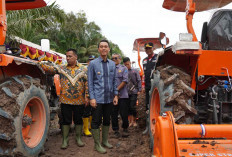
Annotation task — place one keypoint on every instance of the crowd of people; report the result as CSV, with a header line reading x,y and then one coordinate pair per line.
x,y
99,93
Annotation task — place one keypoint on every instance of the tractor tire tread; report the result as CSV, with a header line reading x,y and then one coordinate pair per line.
x,y
10,110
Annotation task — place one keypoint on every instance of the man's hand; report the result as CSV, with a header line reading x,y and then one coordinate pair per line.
x,y
93,103
86,101
115,101
138,93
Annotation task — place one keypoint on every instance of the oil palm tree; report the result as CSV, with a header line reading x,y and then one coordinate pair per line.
x,y
26,23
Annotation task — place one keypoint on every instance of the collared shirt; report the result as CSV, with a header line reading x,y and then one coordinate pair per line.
x,y
73,82
134,81
122,76
102,81
148,66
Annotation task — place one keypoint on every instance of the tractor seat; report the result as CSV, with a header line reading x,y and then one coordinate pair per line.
x,y
217,34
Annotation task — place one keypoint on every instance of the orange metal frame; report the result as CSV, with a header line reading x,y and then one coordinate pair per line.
x,y
2,22
13,66
8,67
173,140
208,62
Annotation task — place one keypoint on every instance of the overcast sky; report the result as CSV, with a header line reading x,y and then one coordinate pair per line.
x,y
122,21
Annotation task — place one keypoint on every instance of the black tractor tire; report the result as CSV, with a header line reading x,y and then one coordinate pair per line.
x,y
24,117
170,91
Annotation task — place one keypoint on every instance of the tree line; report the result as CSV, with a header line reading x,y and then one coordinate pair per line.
x,y
64,30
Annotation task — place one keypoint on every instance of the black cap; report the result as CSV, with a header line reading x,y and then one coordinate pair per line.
x,y
91,57
148,45
126,59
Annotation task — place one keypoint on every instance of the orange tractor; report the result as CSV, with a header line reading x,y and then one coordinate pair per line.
x,y
26,92
191,92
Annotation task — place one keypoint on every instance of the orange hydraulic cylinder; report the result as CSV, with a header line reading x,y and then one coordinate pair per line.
x,y
57,84
204,131
139,58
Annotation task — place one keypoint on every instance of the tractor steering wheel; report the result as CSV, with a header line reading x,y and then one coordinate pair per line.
x,y
15,51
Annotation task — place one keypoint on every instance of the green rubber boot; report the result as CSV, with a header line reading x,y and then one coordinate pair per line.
x,y
65,132
97,144
105,134
78,129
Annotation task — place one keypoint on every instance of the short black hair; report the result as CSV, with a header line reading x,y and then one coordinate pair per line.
x,y
103,40
117,54
73,50
126,59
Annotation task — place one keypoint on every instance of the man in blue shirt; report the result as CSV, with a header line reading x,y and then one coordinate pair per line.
x,y
103,94
122,107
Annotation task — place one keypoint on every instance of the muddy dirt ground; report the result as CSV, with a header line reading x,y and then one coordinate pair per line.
x,y
136,145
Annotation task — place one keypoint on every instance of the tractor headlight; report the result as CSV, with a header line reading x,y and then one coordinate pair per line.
x,y
185,37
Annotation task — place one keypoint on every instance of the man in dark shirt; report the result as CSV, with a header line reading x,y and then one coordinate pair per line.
x,y
134,89
103,94
148,65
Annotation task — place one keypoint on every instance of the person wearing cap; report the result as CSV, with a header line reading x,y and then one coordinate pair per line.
x,y
91,57
122,107
148,65
134,89
103,95
87,117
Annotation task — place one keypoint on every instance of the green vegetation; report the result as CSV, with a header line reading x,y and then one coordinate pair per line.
x,y
64,30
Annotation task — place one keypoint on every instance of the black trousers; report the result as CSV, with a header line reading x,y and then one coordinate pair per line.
x,y
132,104
87,111
122,108
102,110
147,98
72,113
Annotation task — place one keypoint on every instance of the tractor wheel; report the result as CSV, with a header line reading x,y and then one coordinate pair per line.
x,y
24,117
170,91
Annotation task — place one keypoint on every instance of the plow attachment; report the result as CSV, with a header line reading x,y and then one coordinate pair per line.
x,y
173,140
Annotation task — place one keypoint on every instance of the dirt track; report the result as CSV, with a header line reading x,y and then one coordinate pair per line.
x,y
136,145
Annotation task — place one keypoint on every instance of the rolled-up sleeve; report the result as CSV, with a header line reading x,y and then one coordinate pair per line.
x,y
90,80
125,75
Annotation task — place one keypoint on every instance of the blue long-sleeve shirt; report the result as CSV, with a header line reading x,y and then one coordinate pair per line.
x,y
102,80
134,81
122,76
